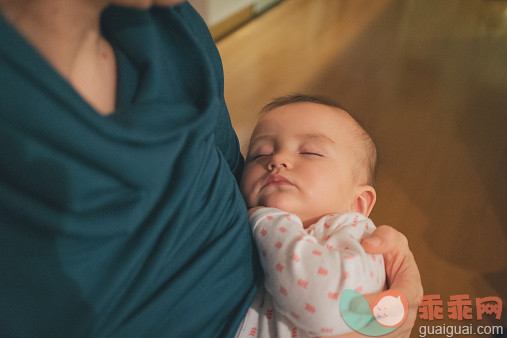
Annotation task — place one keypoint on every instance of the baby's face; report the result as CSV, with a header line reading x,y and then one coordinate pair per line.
x,y
300,160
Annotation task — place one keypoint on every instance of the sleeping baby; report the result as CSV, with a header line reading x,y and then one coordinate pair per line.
x,y
308,184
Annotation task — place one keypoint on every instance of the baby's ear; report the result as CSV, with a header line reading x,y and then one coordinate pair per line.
x,y
364,200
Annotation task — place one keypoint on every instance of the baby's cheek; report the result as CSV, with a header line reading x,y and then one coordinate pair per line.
x,y
245,183
247,188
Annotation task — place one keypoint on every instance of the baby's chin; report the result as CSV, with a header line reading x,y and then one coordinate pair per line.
x,y
307,214
285,203
280,201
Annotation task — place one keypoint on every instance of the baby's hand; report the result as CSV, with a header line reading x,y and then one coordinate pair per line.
x,y
254,209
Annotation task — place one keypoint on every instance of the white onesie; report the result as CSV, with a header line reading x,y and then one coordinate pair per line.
x,y
306,271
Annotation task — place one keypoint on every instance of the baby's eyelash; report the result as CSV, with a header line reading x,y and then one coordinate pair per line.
x,y
257,156
311,153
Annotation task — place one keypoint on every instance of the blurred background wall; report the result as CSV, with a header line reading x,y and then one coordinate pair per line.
x,y
428,79
224,16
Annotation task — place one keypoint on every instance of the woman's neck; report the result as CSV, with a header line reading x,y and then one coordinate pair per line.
x,y
67,33
60,30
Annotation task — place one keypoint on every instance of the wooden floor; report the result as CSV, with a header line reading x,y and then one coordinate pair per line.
x,y
428,78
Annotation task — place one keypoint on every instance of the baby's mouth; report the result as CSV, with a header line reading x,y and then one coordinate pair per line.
x,y
276,179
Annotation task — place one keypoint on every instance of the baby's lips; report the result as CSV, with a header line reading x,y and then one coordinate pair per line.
x,y
277,179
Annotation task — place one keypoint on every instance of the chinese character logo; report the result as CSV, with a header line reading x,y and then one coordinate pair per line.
x,y
459,307
385,315
483,306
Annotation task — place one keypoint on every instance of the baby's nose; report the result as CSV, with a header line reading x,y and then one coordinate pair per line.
x,y
279,161
272,166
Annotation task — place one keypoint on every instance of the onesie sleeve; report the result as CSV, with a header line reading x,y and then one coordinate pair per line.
x,y
307,269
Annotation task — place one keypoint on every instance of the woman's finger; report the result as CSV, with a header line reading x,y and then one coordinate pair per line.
x,y
385,240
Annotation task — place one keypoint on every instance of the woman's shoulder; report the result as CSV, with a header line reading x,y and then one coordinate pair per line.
x,y
196,25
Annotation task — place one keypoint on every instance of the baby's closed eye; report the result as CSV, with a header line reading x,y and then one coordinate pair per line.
x,y
254,157
315,151
310,153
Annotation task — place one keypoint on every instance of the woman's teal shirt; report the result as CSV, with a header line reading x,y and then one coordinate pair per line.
x,y
131,224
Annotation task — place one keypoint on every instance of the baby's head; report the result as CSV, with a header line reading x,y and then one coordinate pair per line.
x,y
309,157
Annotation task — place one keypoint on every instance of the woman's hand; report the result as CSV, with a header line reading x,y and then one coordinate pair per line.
x,y
401,269
402,274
